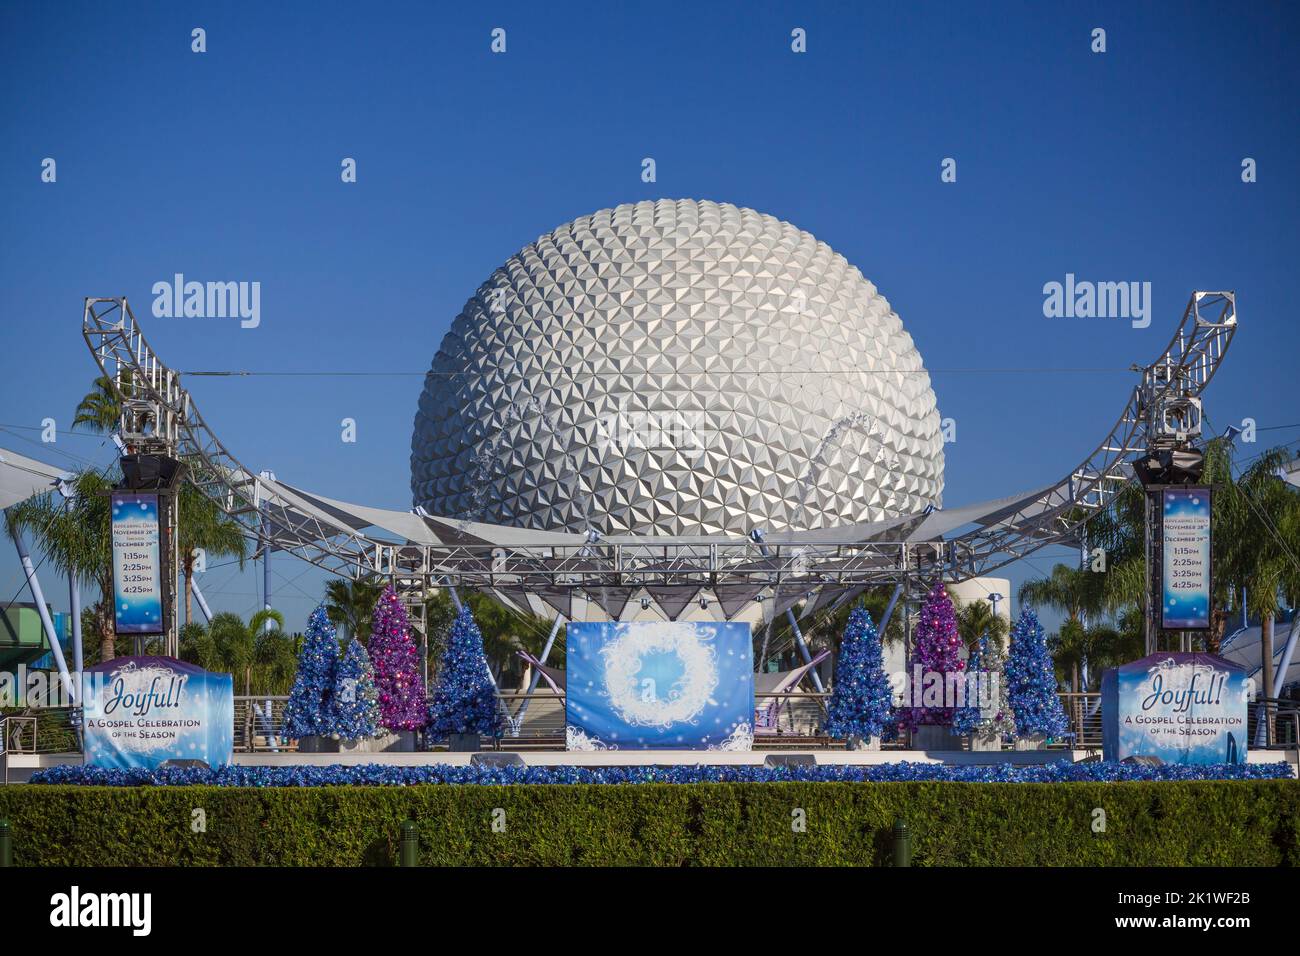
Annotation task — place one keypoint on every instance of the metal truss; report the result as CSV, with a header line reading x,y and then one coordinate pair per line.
x,y
159,415
1163,410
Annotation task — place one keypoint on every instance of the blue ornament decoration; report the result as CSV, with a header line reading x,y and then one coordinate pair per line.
x,y
861,703
464,697
356,698
392,775
1031,680
309,710
966,720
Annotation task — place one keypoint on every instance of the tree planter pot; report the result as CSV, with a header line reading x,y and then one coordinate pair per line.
x,y
464,743
318,745
401,742
985,742
1031,742
862,743
934,737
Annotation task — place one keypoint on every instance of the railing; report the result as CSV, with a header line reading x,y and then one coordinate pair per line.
x,y
17,735
48,730
1083,710
781,720
259,724
1281,724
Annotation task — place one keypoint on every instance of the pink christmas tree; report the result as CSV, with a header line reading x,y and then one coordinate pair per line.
x,y
935,656
397,665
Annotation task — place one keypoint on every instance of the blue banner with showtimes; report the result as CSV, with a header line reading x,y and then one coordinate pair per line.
x,y
137,591
1185,528
144,711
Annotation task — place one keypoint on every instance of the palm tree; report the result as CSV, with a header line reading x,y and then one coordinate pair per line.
x,y
203,526
349,605
264,658
1257,534
1079,594
101,409
76,540
976,620
1073,591
504,631
1098,646
1120,531
826,629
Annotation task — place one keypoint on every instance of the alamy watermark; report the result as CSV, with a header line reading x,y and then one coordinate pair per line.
x,y
678,431
208,300
1083,299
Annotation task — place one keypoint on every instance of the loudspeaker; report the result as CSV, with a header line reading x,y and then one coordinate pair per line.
x,y
1170,467
149,472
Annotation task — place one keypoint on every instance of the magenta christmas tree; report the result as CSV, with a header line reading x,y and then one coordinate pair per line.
x,y
935,655
397,665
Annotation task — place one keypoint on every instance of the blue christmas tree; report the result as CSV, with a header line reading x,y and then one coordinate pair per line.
x,y
464,698
356,698
993,719
861,703
309,710
966,720
1031,680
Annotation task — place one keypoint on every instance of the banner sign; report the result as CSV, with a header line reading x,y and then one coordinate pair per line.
x,y
137,582
1185,559
143,711
685,685
1182,708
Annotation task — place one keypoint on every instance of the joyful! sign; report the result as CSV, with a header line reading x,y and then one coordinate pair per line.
x,y
143,711
1182,708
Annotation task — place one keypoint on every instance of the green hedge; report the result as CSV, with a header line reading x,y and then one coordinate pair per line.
x,y
1210,823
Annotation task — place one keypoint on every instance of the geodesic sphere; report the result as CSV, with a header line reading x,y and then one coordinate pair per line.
x,y
676,367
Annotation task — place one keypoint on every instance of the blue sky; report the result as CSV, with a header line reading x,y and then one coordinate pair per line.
x,y
1121,166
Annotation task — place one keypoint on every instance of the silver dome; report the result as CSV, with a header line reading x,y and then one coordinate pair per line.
x,y
677,367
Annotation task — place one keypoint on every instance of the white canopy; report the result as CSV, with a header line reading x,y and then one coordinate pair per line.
x,y
22,477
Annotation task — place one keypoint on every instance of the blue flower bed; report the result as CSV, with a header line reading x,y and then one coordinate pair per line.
x,y
371,775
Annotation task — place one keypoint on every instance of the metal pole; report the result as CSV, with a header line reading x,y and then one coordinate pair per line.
x,y
1149,633
518,722
889,609
74,611
74,603
38,597
1288,652
1264,720
174,624
266,555
266,579
201,601
803,648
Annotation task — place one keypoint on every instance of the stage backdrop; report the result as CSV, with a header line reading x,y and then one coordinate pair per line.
x,y
1182,708
678,685
142,711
